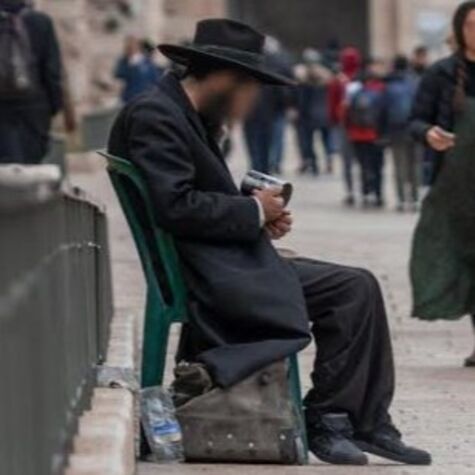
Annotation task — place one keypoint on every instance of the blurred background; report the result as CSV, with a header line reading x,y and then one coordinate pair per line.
x,y
92,31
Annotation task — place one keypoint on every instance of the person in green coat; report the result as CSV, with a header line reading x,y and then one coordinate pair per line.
x,y
443,254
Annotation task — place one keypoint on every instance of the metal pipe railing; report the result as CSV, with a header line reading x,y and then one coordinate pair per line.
x,y
55,309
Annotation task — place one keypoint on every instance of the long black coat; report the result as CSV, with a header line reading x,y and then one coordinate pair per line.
x,y
246,303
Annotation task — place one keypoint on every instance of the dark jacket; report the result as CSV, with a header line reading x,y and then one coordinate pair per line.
x,y
312,105
25,122
433,104
246,303
137,77
47,58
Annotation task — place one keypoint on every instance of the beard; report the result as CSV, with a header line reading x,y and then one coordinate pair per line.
x,y
215,113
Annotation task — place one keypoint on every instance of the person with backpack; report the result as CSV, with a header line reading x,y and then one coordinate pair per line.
x,y
407,154
340,89
366,124
31,85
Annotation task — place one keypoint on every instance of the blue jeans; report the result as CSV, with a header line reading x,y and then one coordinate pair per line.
x,y
306,141
265,142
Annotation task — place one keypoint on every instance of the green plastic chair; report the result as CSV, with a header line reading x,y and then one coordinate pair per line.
x,y
166,291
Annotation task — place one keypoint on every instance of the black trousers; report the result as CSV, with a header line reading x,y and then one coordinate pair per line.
x,y
353,370
370,157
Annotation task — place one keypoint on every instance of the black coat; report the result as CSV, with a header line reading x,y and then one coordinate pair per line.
x,y
246,303
434,102
25,123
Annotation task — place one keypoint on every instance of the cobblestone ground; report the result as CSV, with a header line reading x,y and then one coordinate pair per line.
x,y
435,400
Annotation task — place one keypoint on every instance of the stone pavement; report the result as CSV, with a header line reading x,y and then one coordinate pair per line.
x,y
435,399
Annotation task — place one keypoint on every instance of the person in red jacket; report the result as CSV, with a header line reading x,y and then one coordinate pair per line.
x,y
338,91
365,119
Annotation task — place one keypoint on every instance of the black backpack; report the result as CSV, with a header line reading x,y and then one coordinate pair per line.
x,y
364,110
18,77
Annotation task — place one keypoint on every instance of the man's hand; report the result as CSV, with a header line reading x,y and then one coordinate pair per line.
x,y
439,139
272,203
280,227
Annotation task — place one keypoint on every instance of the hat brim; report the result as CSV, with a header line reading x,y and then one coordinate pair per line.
x,y
186,55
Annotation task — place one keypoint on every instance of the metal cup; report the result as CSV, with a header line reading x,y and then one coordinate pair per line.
x,y
260,181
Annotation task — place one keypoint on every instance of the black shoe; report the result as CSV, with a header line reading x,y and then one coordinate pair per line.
x,y
470,361
330,440
349,201
386,442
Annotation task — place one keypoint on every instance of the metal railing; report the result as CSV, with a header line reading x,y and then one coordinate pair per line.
x,y
55,309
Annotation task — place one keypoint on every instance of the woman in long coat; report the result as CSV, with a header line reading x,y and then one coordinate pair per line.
x,y
443,257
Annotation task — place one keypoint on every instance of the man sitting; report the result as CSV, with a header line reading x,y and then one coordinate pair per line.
x,y
249,307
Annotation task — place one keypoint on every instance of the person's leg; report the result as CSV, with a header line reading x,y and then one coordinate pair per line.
x,y
354,371
277,147
377,166
251,138
328,147
264,146
361,154
398,157
306,134
348,155
353,375
470,361
413,164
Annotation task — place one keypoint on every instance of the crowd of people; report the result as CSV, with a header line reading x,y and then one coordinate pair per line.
x,y
358,108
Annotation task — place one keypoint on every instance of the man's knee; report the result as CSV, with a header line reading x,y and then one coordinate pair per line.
x,y
362,282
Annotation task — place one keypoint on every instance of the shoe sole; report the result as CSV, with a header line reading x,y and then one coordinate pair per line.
x,y
329,460
380,452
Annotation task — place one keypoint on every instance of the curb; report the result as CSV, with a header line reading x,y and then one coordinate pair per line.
x,y
105,443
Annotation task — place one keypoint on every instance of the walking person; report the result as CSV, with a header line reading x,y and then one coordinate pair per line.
x,y
136,69
31,85
366,125
264,129
240,320
313,112
340,90
443,253
407,153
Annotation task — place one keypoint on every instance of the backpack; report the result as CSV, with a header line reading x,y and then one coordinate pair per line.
x,y
17,71
400,96
364,109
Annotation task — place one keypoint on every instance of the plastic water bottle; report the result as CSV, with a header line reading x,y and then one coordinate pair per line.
x,y
160,425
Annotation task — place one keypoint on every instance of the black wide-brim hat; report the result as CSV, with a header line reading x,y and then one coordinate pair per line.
x,y
228,43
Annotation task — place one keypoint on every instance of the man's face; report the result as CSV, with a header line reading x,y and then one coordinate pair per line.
x,y
231,96
469,31
421,58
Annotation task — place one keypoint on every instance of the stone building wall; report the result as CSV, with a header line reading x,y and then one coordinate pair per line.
x,y
92,34
92,31
397,26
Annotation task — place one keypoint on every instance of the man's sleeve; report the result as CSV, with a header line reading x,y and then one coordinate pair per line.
x,y
161,150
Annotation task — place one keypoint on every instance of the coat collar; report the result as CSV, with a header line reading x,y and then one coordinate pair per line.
x,y
170,85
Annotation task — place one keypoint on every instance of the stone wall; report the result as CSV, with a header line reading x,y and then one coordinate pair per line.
x,y
303,23
397,26
92,31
